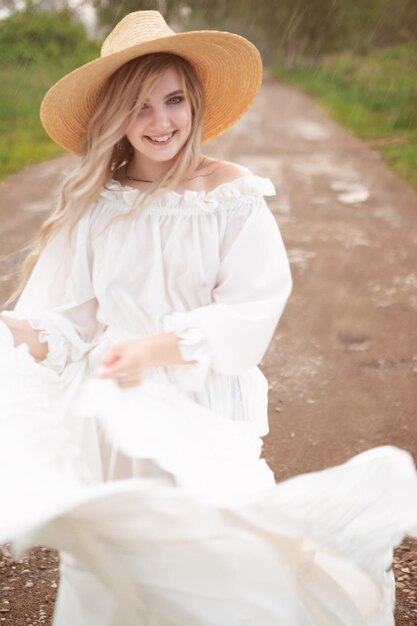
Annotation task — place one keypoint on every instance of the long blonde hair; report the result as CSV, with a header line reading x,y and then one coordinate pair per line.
x,y
107,148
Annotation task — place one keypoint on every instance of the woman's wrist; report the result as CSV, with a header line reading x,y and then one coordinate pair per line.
x,y
163,350
23,333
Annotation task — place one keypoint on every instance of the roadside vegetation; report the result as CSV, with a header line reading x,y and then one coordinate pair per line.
x,y
373,95
36,49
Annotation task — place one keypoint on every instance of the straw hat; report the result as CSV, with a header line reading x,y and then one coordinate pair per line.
x,y
228,65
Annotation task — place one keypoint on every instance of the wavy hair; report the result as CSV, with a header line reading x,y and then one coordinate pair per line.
x,y
107,148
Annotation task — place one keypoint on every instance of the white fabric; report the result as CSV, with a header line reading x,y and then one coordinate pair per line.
x,y
210,267
156,496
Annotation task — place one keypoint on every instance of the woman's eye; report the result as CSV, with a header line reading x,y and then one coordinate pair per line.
x,y
175,100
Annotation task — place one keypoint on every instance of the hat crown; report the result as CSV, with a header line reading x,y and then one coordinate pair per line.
x,y
135,28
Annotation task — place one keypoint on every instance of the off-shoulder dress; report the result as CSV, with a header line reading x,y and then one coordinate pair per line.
x,y
156,496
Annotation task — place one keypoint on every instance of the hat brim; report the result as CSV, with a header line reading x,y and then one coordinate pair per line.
x,y
229,66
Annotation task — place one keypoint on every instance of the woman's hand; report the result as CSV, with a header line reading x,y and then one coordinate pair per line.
x,y
126,362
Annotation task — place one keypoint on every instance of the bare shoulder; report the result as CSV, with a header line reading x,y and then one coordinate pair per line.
x,y
220,172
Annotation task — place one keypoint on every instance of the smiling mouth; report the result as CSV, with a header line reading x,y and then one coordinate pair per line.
x,y
163,140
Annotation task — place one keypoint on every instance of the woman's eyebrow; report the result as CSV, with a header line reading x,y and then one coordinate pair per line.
x,y
170,95
174,93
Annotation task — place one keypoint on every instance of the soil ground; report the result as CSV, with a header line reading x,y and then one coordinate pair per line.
x,y
342,365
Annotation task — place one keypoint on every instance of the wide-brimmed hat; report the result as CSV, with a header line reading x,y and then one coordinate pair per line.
x,y
228,65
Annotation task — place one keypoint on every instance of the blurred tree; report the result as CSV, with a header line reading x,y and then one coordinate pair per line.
x,y
109,12
309,28
37,35
398,22
46,5
9,5
292,28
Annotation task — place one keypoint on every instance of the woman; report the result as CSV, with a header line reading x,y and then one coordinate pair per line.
x,y
133,446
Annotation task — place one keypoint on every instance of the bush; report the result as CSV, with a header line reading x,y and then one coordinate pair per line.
x,y
33,35
36,49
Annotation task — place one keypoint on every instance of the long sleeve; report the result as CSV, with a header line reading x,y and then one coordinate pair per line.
x,y
253,284
59,299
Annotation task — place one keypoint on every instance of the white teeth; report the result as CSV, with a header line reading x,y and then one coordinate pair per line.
x,y
164,138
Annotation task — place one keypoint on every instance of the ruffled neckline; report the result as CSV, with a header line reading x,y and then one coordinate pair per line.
x,y
239,187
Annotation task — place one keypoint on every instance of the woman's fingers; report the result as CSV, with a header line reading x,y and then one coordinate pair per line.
x,y
123,379
114,364
123,364
111,357
108,372
122,373
131,382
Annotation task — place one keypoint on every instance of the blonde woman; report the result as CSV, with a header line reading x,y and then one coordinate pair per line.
x,y
132,405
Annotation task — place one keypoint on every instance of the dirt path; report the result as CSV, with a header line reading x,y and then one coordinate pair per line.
x,y
343,364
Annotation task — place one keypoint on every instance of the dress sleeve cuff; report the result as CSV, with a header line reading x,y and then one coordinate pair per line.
x,y
193,346
58,346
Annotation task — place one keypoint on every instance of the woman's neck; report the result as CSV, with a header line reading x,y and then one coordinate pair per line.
x,y
147,170
203,178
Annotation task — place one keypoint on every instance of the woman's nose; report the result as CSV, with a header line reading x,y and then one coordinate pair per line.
x,y
159,119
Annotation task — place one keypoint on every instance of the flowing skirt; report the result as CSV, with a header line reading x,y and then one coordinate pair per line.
x,y
165,515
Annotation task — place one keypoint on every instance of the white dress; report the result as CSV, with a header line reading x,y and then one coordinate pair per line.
x,y
156,496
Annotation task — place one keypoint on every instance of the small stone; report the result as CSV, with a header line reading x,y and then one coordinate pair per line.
x,y
54,585
29,584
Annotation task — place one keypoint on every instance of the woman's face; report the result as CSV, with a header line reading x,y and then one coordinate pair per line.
x,y
162,126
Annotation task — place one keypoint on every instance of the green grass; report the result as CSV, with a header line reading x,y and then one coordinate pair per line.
x,y
374,96
22,138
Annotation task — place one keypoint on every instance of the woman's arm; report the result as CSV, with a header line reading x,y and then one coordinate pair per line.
x,y
23,333
160,349
163,350
128,360
232,333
